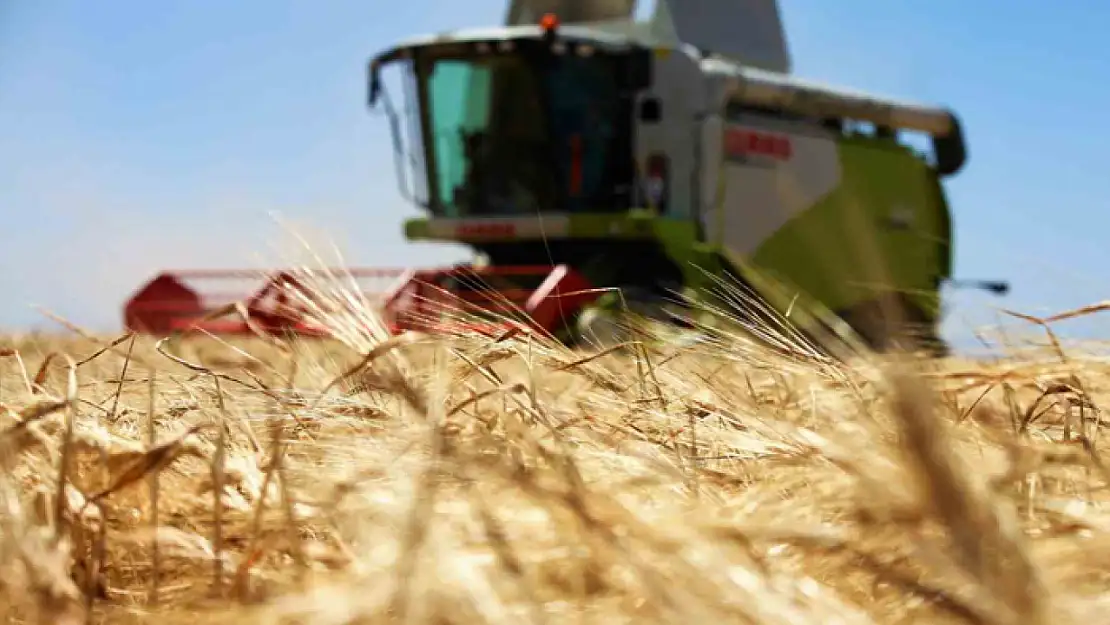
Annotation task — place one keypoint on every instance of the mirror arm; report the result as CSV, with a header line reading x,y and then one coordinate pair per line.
x,y
375,83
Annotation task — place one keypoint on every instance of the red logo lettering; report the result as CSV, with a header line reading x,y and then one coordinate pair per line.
x,y
485,230
743,142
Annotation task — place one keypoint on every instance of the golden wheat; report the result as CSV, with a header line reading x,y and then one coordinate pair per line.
x,y
477,480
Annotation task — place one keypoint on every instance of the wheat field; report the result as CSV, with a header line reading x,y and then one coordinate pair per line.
x,y
510,480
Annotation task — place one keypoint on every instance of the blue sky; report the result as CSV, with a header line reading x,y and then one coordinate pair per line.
x,y
141,135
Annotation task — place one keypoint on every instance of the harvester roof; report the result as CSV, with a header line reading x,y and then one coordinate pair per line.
x,y
598,37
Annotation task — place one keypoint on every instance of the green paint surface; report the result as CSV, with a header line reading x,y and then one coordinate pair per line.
x,y
844,250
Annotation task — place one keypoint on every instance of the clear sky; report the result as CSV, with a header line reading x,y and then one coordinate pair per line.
x,y
142,135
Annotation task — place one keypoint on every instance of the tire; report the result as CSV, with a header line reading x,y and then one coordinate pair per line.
x,y
892,323
607,326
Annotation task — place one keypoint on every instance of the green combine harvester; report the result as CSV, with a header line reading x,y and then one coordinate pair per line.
x,y
579,151
664,156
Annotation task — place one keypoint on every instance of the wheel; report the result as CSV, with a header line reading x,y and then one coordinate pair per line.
x,y
890,323
607,324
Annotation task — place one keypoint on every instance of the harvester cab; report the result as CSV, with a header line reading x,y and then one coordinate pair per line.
x,y
580,152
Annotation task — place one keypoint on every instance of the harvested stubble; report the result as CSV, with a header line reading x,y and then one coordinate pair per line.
x,y
472,481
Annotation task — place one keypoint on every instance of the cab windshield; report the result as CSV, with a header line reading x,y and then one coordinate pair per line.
x,y
523,132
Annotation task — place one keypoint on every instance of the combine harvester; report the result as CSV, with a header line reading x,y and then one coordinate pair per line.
x,y
578,151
